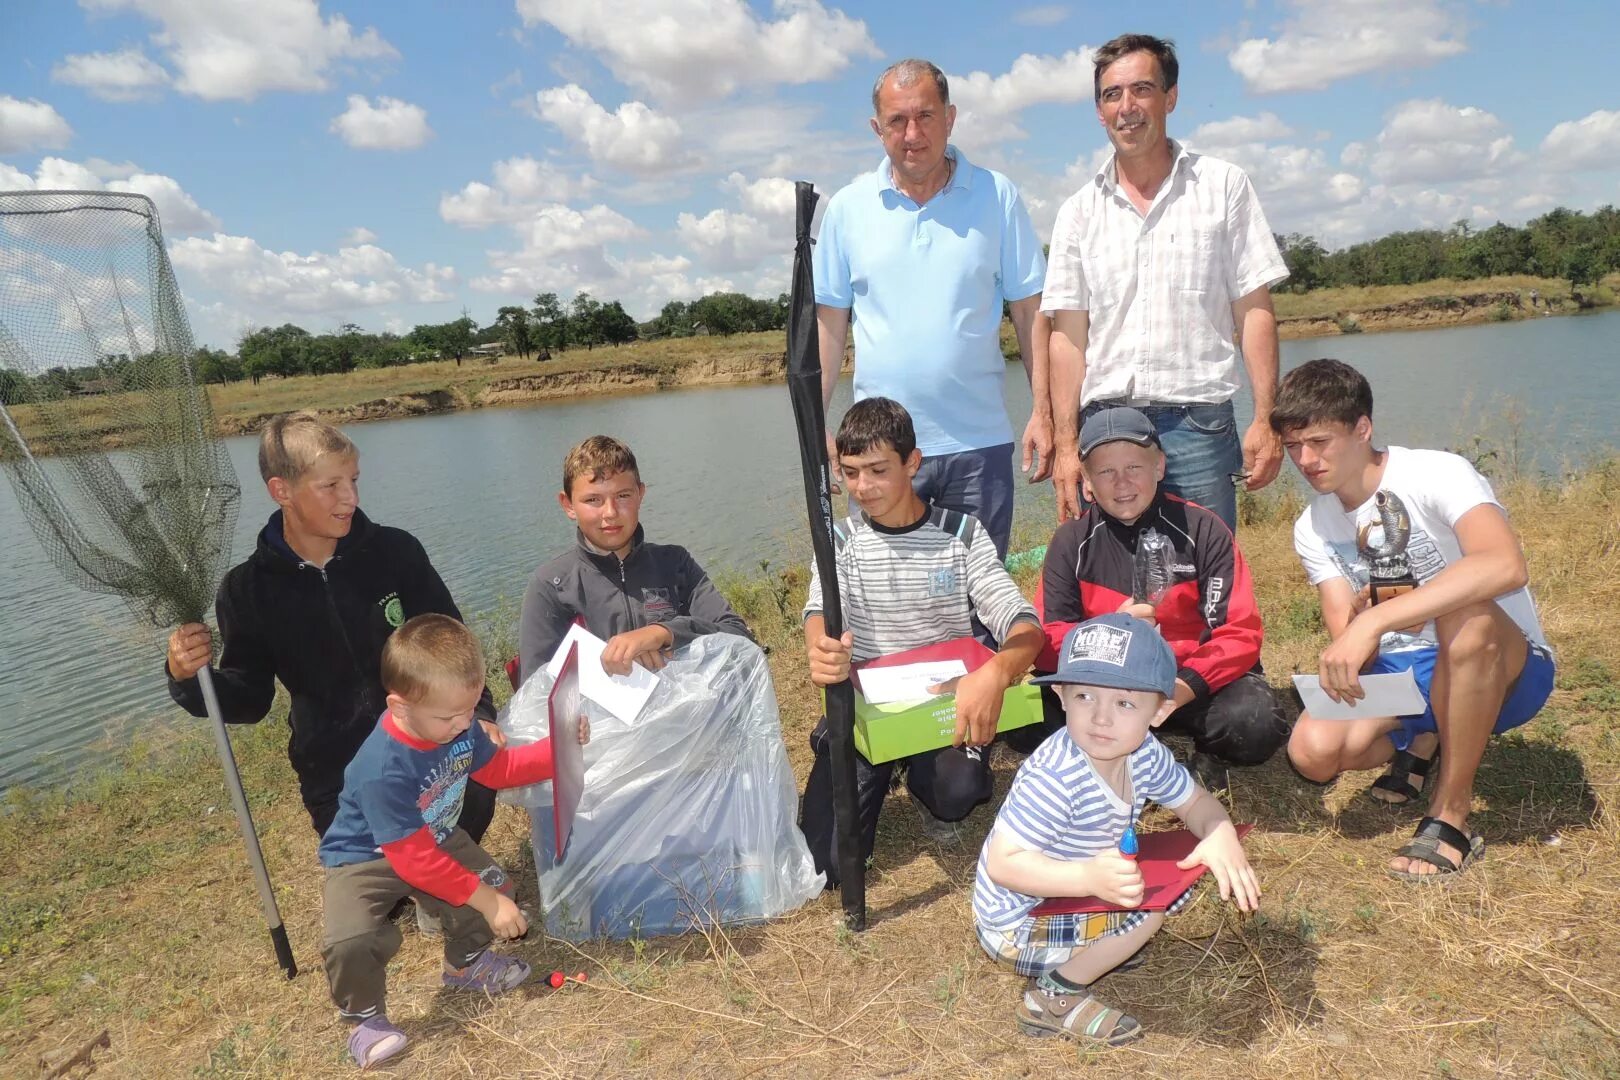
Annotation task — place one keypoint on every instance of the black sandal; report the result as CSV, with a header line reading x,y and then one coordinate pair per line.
x,y
1425,847
1397,779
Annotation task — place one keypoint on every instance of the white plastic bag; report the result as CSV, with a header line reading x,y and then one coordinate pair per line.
x,y
688,815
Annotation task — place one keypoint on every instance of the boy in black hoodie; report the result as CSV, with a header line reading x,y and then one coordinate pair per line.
x,y
312,606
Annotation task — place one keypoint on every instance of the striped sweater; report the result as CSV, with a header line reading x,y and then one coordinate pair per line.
x,y
920,584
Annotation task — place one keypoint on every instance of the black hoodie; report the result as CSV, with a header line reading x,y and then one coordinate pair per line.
x,y
320,630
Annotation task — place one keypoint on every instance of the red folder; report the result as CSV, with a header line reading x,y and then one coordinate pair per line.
x,y
564,706
1157,858
970,651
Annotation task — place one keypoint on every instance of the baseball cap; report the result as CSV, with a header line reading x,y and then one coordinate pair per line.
x,y
1115,650
1118,424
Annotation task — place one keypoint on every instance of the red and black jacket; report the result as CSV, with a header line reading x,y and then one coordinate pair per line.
x,y
1209,617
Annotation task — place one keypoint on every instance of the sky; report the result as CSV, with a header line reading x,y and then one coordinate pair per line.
x,y
324,162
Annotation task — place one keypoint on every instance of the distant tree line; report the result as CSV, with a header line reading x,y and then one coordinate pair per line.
x,y
1579,248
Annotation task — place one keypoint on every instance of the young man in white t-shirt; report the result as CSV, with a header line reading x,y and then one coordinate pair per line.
x,y
1418,569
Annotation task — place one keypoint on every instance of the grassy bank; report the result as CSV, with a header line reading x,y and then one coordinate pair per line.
x,y
444,386
128,906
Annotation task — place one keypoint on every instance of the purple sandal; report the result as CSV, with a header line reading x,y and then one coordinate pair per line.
x,y
374,1041
490,973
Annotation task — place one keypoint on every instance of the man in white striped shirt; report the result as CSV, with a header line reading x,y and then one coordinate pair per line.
x,y
1155,264
910,575
1059,832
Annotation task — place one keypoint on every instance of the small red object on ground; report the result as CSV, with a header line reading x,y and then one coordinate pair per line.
x,y
580,977
556,980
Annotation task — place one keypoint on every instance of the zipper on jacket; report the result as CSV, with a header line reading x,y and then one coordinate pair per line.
x,y
348,646
624,591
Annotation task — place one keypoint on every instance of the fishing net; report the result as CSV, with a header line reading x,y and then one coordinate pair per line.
x,y
107,431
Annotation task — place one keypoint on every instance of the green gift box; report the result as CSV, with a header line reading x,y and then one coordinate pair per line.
x,y
886,732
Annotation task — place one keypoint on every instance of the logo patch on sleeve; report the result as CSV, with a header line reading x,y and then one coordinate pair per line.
x,y
1100,644
658,604
393,610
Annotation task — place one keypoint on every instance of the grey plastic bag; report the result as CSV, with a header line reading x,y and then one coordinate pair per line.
x,y
688,815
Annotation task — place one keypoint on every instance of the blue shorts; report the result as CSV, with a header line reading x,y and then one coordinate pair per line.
x,y
1525,698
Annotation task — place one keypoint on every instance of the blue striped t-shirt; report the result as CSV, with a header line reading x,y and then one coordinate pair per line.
x,y
1059,806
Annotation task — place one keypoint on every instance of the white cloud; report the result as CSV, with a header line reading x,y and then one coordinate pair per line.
x,y
704,49
1045,15
1328,40
727,240
633,137
31,125
271,287
522,186
239,49
1430,141
359,235
769,196
177,210
1239,129
126,75
987,105
1592,142
391,124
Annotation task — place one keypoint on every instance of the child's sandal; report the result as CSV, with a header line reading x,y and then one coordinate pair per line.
x,y
374,1041
1078,1016
1397,779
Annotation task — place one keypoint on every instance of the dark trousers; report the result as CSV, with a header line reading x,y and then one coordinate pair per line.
x,y
477,811
1239,724
357,940
949,782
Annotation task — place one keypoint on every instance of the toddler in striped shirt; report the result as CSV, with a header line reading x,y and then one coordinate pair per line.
x,y
1058,833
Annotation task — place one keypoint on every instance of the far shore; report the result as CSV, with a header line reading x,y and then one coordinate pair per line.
x,y
242,408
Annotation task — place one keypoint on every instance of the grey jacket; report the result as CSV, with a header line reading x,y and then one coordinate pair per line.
x,y
656,583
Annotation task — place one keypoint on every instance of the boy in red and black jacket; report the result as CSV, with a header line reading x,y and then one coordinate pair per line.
x,y
1202,599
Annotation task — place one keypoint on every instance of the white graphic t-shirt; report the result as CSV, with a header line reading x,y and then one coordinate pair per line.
x,y
1438,489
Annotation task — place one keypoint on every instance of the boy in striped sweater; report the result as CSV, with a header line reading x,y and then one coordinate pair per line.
x,y
1058,833
910,575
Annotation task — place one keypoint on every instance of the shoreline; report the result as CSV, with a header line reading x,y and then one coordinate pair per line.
x,y
441,387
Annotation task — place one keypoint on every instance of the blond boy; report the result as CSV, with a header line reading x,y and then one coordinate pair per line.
x,y
395,833
313,606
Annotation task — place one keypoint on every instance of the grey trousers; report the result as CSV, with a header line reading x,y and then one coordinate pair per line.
x,y
357,940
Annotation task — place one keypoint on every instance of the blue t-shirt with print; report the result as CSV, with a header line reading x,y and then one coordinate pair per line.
x,y
392,788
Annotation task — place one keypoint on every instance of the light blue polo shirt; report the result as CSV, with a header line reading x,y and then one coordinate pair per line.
x,y
926,285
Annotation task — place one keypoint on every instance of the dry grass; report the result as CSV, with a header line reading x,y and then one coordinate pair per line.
x,y
1331,302
130,908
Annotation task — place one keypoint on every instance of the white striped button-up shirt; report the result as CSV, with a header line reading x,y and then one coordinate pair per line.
x,y
1159,287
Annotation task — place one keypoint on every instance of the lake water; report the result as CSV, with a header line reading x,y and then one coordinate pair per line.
x,y
722,476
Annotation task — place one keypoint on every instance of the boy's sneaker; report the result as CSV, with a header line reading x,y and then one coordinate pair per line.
x,y
1211,773
375,1040
937,830
491,973
1075,1016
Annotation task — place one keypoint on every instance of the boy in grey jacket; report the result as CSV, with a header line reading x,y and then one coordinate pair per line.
x,y
644,599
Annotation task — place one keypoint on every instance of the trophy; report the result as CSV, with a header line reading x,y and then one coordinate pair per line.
x,y
1388,571
1152,573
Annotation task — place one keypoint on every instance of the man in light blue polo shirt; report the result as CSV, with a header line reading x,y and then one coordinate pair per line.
x,y
923,251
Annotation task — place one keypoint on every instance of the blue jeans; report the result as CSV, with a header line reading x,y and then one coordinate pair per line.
x,y
977,482
1201,449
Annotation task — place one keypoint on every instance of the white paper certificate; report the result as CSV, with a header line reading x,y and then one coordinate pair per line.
x,y
907,682
1395,694
621,695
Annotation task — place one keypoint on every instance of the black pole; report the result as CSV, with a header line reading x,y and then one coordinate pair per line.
x,y
804,388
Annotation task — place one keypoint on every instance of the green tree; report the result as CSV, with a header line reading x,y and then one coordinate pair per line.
x,y
218,366
675,320
551,333
1306,262
615,324
518,329
584,319
456,336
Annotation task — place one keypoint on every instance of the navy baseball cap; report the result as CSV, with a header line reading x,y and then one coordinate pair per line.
x,y
1116,650
1118,424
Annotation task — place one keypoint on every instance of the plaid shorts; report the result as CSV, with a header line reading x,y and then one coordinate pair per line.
x,y
1043,942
